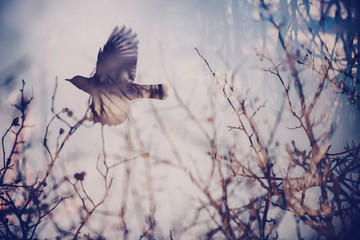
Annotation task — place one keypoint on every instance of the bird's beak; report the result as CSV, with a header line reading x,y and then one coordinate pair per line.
x,y
68,80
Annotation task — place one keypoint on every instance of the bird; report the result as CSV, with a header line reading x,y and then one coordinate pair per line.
x,y
112,85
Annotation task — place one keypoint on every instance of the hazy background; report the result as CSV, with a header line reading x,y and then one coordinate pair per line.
x,y
45,40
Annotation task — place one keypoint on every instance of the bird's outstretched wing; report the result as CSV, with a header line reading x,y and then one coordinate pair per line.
x,y
117,60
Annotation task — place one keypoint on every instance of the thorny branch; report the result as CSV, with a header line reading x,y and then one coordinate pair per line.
x,y
27,212
319,169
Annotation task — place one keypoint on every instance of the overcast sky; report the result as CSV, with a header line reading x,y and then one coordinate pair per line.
x,y
44,40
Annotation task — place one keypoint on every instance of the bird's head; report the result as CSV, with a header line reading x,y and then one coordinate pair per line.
x,y
80,82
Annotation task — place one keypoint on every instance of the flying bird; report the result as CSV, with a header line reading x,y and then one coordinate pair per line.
x,y
111,87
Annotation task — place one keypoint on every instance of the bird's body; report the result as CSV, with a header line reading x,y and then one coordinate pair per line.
x,y
112,87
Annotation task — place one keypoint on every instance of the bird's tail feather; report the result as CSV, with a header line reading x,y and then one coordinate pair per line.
x,y
154,91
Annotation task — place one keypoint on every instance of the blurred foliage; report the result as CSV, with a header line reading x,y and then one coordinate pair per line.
x,y
250,184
